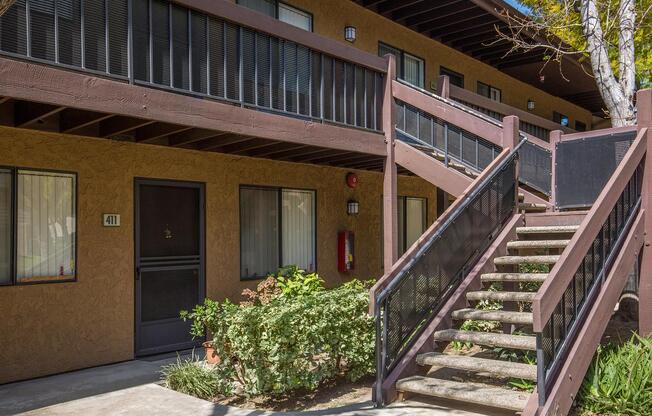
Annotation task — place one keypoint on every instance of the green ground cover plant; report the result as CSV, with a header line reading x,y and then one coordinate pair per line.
x,y
619,381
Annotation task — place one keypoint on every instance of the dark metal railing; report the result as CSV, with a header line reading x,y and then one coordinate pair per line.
x,y
593,159
454,143
561,329
421,129
161,44
420,289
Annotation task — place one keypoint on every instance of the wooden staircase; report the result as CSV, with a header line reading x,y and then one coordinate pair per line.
x,y
482,377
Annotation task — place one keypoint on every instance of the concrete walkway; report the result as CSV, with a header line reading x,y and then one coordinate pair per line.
x,y
132,388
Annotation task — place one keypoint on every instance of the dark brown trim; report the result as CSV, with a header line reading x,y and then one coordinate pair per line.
x,y
39,83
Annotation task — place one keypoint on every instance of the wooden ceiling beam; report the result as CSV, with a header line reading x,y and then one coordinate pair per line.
x,y
73,119
403,14
450,20
433,15
192,136
157,131
279,147
389,7
452,35
117,125
219,141
28,113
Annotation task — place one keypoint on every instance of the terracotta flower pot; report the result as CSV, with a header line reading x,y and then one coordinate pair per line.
x,y
211,355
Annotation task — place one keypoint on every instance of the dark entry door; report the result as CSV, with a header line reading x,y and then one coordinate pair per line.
x,y
169,262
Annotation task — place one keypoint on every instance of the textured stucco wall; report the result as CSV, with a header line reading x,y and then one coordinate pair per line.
x,y
50,328
331,16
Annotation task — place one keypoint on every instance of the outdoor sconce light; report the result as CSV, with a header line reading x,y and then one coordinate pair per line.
x,y
352,207
349,33
530,105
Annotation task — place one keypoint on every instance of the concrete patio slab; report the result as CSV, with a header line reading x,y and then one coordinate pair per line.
x,y
131,388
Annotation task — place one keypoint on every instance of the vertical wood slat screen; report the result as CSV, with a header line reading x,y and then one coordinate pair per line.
x,y
45,225
174,47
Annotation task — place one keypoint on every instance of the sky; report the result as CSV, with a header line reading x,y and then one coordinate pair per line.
x,y
518,6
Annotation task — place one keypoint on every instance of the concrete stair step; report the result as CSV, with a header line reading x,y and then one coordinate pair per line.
x,y
489,339
500,296
495,368
548,229
514,277
516,260
535,244
476,393
532,207
506,317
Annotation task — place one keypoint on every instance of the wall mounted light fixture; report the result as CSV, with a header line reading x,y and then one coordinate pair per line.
x,y
530,105
350,33
352,207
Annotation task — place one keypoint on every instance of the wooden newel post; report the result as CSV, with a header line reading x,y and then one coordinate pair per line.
x,y
644,120
511,139
555,138
390,186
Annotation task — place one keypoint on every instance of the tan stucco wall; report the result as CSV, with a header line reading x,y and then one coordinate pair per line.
x,y
50,328
331,16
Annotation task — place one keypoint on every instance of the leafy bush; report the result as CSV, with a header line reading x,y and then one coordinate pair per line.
x,y
288,335
619,381
295,282
194,377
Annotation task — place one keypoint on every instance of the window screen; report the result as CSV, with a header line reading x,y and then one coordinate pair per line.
x,y
295,17
46,219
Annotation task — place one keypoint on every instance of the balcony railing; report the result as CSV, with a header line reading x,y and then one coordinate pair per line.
x,y
162,44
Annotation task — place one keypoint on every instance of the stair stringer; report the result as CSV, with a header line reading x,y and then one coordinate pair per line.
x,y
425,343
438,174
568,381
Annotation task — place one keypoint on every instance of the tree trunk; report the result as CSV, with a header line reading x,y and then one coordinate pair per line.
x,y
617,96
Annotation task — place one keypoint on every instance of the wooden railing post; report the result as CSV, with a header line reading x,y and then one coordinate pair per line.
x,y
644,120
555,138
390,186
444,86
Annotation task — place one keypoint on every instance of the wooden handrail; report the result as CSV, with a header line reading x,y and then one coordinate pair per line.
x,y
425,237
241,15
550,293
504,109
597,133
447,112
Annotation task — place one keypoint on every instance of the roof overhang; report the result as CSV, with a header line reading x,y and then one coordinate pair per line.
x,y
470,26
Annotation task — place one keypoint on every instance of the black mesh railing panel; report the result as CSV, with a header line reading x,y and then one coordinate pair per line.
x,y
536,167
427,280
199,52
585,165
570,313
69,25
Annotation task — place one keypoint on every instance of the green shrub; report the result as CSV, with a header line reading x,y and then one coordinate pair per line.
x,y
194,377
619,381
295,338
295,282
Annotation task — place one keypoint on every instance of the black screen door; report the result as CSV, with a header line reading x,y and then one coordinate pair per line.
x,y
169,262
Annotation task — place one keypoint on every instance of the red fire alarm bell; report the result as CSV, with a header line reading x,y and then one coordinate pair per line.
x,y
351,180
345,251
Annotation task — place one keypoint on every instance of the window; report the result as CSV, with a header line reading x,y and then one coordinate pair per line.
x,y
579,126
408,67
38,224
490,92
281,11
560,118
277,228
455,77
412,223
